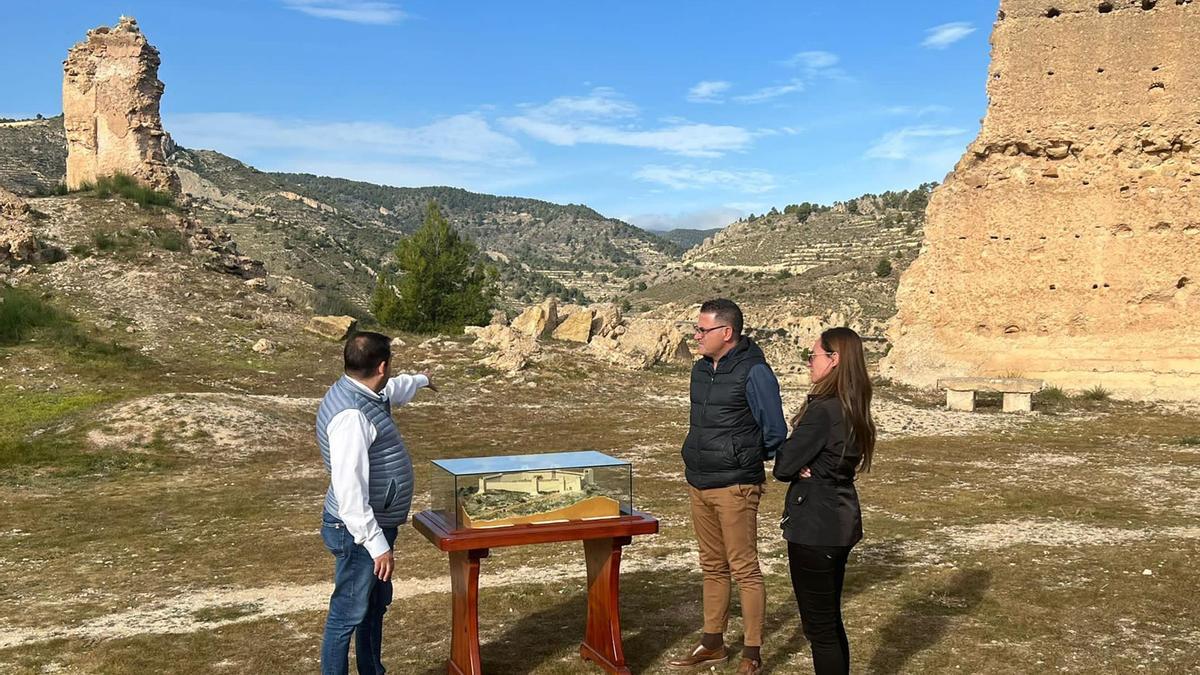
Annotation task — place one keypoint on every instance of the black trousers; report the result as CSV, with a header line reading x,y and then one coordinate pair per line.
x,y
818,573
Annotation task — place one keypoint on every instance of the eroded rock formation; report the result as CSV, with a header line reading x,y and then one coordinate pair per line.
x,y
1066,243
111,94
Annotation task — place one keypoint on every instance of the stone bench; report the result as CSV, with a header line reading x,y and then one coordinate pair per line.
x,y
1018,391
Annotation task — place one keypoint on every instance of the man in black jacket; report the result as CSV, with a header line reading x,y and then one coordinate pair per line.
x,y
736,424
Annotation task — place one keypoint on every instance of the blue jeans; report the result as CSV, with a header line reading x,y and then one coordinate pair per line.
x,y
357,605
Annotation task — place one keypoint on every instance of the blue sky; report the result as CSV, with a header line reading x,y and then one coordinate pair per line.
x,y
661,113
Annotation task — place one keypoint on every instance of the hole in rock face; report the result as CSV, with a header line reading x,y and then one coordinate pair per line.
x,y
1052,13
1012,329
1149,4
1050,72
1099,70
1095,286
1154,69
1161,228
1000,15
1106,286
1053,287
1183,281
1105,7
1157,85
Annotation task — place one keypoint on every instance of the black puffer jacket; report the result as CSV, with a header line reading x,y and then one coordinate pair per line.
x,y
724,445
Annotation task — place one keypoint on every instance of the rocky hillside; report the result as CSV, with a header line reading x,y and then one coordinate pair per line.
x,y
33,155
336,233
797,271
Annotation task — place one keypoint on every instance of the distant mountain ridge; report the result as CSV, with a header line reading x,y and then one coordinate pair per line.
x,y
329,228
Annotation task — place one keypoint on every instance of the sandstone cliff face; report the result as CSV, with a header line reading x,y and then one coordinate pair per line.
x,y
111,93
1066,243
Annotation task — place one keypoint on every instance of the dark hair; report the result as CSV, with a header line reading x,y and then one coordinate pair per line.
x,y
851,384
726,311
365,351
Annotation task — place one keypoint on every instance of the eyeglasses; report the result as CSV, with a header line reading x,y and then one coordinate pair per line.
x,y
813,355
705,331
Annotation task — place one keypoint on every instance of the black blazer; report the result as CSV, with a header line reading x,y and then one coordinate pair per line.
x,y
822,510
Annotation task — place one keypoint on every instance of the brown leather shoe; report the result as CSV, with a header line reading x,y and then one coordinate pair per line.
x,y
700,655
749,667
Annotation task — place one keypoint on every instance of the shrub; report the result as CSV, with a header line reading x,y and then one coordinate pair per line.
x,y
1096,393
170,239
1052,395
884,268
127,186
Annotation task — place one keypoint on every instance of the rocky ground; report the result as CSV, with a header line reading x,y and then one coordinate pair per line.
x,y
161,503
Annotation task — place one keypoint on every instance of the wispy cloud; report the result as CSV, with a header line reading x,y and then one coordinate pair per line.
x,y
812,65
701,219
940,37
603,118
917,142
916,111
354,11
812,61
466,138
693,178
770,93
708,91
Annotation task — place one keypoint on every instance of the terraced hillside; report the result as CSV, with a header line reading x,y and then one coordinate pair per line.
x,y
788,242
33,155
800,270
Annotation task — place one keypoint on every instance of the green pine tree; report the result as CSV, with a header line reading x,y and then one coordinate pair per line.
x,y
441,285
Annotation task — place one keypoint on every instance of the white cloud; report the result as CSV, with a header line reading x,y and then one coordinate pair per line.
x,y
917,111
569,121
812,61
769,93
702,219
812,65
602,103
693,178
940,37
917,143
708,91
466,138
354,11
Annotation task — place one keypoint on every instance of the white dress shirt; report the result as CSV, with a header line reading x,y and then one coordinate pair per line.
x,y
350,434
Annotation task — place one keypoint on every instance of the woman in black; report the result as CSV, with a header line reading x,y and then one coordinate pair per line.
x,y
832,439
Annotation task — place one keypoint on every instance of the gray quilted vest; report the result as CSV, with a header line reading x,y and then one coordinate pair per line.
x,y
390,478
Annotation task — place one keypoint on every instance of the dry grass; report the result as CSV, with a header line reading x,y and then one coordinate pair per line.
x,y
994,543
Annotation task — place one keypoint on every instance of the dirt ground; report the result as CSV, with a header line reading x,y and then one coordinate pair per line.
x,y
1066,540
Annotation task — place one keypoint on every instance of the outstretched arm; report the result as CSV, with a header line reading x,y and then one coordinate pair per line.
x,y
402,388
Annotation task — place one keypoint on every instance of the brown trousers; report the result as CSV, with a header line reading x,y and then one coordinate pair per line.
x,y
726,523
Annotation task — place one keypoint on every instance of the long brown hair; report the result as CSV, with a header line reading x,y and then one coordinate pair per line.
x,y
849,382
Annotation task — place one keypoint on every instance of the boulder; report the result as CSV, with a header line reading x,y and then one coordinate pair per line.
x,y
332,327
576,328
655,341
265,346
512,349
606,318
539,320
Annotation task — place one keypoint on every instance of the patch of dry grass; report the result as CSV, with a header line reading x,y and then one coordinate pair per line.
x,y
994,543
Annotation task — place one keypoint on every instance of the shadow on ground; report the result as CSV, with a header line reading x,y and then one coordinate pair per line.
x,y
925,618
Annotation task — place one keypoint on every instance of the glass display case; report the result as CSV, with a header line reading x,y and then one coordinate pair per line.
x,y
557,487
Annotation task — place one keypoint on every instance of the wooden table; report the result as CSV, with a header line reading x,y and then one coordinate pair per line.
x,y
602,543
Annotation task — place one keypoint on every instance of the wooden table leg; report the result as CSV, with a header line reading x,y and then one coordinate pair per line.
x,y
464,632
602,639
